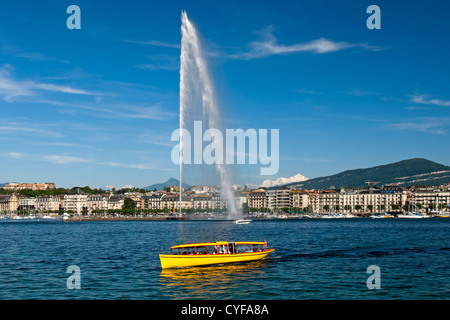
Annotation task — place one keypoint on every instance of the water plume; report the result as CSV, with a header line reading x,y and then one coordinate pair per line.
x,y
198,103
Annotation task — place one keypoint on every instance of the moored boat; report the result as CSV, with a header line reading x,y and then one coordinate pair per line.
x,y
209,253
242,221
412,216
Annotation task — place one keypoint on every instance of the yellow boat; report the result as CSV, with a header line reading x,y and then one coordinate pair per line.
x,y
207,253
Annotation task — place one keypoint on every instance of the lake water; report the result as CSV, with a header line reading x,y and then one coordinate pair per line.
x,y
314,259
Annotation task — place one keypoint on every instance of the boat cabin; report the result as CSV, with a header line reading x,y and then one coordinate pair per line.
x,y
222,247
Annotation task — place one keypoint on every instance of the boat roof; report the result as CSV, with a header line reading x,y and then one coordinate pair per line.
x,y
215,243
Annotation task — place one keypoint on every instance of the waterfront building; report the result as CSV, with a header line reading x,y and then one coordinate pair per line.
x,y
204,189
27,204
48,203
151,201
257,198
329,200
9,203
299,199
97,202
431,198
33,186
116,202
283,198
170,201
393,197
313,201
271,199
208,201
75,202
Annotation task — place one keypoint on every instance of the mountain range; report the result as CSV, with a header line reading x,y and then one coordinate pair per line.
x,y
405,173
170,182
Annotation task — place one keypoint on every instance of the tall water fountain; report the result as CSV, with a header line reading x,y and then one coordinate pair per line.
x,y
198,103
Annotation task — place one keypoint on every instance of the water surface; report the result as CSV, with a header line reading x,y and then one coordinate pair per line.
x,y
314,259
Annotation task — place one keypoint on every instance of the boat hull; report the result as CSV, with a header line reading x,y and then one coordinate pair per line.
x,y
242,221
411,216
182,261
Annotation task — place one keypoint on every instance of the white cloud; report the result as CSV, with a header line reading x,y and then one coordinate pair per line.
x,y
158,66
15,155
64,89
161,62
15,129
427,124
269,46
139,112
10,88
156,43
422,99
58,159
114,111
18,52
142,166
280,181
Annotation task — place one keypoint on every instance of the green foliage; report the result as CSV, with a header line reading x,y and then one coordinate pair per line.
x,y
129,204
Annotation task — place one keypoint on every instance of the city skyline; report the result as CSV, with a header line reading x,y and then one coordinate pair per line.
x,y
97,106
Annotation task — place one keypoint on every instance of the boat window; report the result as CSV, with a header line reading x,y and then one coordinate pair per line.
x,y
211,249
240,248
222,249
189,250
201,250
248,248
176,251
255,248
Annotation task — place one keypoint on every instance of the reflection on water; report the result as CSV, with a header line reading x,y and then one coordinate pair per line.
x,y
210,282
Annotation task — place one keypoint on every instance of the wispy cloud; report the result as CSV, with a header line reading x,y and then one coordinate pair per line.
x,y
15,155
422,99
156,43
432,125
18,52
154,112
161,62
63,89
10,87
309,91
117,111
269,45
158,66
142,166
60,159
67,159
18,128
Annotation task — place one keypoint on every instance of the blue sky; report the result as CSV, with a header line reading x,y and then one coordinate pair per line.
x,y
97,106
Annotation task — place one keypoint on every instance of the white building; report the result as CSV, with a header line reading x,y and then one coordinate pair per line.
x,y
48,203
97,202
437,198
75,202
28,204
116,202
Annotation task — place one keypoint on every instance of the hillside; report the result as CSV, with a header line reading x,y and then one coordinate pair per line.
x,y
404,173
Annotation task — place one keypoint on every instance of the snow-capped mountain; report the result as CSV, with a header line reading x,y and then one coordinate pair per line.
x,y
280,181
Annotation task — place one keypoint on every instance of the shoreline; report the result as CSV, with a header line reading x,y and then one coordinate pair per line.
x,y
174,218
